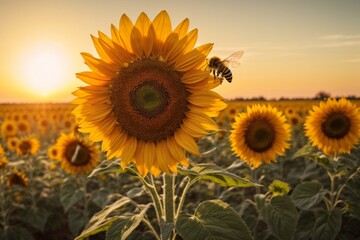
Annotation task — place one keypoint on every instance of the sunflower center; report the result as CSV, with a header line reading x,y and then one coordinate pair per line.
x,y
77,154
22,127
336,125
9,128
16,179
260,135
149,99
25,147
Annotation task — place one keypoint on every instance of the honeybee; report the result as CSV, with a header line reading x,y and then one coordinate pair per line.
x,y
221,68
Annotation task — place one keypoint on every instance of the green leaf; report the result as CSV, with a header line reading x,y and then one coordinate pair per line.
x,y
305,225
101,221
166,229
281,217
70,194
213,219
353,185
107,166
15,232
305,151
214,173
100,196
136,192
36,218
122,228
77,220
327,225
307,194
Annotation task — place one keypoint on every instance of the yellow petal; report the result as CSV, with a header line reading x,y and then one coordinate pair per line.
x,y
92,78
186,142
182,28
143,24
125,29
162,26
137,42
98,65
130,147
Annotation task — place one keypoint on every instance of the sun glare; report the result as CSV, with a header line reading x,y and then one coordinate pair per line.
x,y
44,70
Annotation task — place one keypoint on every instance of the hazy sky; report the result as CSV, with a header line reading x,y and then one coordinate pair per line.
x,y
292,48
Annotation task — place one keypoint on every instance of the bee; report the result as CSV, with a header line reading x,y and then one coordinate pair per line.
x,y
221,68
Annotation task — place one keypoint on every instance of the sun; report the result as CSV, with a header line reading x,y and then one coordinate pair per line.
x,y
44,69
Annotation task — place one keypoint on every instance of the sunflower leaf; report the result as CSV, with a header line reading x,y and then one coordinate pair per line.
x,y
123,227
304,228
101,221
110,167
307,195
213,219
327,224
305,151
214,173
70,194
281,217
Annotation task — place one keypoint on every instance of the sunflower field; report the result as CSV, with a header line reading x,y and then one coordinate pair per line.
x,y
148,150
55,182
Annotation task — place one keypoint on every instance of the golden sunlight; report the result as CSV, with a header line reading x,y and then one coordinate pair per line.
x,y
44,70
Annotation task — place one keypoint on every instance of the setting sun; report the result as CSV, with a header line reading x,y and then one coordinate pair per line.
x,y
43,70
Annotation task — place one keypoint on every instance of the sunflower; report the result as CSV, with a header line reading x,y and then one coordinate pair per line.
x,y
12,143
23,126
149,96
334,126
77,155
53,152
8,129
27,145
279,188
259,135
17,177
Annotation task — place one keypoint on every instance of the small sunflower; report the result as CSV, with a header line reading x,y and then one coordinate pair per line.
x,y
28,145
149,96
17,177
334,126
8,129
279,188
259,135
53,152
77,155
23,126
12,143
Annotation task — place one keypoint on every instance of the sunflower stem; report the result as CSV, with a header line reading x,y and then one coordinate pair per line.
x,y
182,199
154,196
169,200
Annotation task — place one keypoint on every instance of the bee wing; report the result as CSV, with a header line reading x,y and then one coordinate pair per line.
x,y
234,59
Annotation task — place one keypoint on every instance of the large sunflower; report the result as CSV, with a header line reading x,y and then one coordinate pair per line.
x,y
259,135
76,154
149,97
334,126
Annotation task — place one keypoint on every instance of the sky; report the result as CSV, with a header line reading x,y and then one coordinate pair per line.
x,y
291,48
